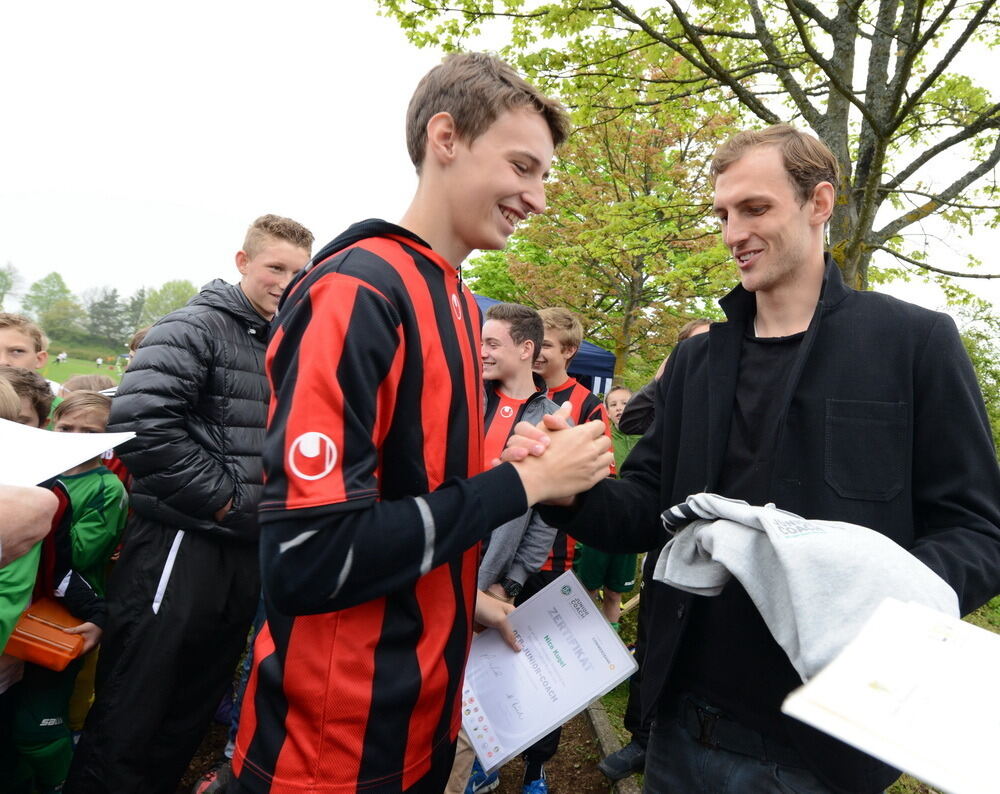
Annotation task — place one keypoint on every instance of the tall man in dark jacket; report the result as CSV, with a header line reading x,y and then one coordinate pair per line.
x,y
831,403
184,592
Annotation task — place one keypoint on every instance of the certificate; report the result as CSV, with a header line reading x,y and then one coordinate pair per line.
x,y
917,689
569,657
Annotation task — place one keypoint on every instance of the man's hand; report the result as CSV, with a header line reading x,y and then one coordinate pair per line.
x,y
91,634
574,460
492,614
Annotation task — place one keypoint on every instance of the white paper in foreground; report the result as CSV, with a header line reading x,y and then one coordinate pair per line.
x,y
31,456
917,689
569,657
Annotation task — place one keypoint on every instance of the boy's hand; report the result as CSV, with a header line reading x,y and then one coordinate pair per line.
x,y
575,460
91,634
492,613
221,512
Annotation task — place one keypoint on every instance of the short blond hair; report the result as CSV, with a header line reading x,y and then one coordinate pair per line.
x,y
27,327
568,328
87,383
474,88
278,228
10,403
807,160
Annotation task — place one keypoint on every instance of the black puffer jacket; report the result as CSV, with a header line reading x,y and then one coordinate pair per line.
x,y
196,397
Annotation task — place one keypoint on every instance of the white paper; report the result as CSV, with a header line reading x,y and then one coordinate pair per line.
x,y
917,689
31,456
569,656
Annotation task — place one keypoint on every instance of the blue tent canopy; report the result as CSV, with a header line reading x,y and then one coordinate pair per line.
x,y
593,366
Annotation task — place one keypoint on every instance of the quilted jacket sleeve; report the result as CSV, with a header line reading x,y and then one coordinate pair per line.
x,y
157,393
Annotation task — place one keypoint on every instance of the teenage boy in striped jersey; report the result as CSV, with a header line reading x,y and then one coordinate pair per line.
x,y
375,499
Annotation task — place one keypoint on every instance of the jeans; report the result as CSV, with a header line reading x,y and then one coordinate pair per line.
x,y
676,763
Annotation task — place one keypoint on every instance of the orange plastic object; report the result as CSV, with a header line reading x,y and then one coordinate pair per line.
x,y
39,638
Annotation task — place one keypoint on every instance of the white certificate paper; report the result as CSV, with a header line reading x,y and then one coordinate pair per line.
x,y
34,455
917,689
569,656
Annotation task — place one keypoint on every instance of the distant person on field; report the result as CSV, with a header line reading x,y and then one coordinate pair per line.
x,y
22,344
184,592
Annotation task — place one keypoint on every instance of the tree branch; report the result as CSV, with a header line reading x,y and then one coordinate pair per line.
x,y
708,64
989,119
925,266
935,202
943,64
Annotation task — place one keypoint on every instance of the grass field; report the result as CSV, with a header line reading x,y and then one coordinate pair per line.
x,y
75,366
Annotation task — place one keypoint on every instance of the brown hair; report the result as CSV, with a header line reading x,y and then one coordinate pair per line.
x,y
10,403
524,322
29,384
81,401
689,327
475,88
568,328
808,161
280,228
21,323
88,383
137,338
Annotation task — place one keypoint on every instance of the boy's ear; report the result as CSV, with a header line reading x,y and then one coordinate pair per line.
x,y
41,358
241,262
442,137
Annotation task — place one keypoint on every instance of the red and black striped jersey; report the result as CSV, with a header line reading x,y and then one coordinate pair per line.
x,y
370,520
587,407
502,413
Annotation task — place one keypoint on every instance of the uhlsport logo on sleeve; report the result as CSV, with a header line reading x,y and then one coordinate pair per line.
x,y
456,305
312,456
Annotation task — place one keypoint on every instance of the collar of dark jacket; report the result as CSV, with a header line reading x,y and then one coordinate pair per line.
x,y
740,305
229,298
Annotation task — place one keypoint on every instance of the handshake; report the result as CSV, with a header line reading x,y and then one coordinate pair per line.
x,y
555,461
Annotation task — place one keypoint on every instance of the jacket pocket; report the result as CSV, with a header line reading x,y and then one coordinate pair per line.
x,y
866,449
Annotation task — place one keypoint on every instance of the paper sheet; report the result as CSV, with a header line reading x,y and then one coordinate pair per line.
x,y
569,657
32,456
917,689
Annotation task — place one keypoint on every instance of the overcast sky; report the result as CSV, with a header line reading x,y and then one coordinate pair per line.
x,y
139,141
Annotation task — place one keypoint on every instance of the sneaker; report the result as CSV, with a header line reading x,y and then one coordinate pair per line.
x,y
480,782
216,780
622,763
536,786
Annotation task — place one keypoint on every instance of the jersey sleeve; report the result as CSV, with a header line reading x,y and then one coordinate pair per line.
x,y
334,365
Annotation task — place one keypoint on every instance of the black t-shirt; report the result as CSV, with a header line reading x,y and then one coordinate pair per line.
x,y
727,655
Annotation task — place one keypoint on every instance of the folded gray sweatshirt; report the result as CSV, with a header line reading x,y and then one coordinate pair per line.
x,y
815,583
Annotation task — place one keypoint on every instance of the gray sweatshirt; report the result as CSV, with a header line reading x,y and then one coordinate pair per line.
x,y
815,583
